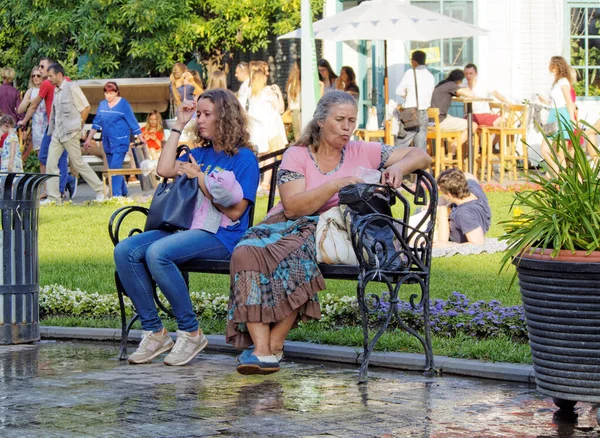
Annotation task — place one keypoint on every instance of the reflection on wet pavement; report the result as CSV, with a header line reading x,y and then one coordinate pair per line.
x,y
80,389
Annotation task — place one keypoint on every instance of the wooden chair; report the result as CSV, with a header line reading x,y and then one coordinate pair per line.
x,y
481,158
438,144
510,133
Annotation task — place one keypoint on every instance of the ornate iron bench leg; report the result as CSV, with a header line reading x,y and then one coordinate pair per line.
x,y
125,328
429,366
364,314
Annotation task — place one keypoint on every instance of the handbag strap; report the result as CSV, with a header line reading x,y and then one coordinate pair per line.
x,y
416,89
180,149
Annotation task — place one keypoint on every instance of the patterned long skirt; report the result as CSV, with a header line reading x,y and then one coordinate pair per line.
x,y
273,273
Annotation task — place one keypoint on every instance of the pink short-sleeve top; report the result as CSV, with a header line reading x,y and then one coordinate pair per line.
x,y
299,163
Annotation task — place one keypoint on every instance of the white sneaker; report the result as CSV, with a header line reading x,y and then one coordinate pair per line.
x,y
152,345
186,348
47,201
100,197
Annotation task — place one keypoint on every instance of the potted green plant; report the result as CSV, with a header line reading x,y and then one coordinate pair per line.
x,y
555,245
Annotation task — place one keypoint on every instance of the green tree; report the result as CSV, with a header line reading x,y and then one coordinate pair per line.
x,y
130,38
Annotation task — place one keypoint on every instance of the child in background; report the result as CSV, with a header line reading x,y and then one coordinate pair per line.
x,y
11,151
154,134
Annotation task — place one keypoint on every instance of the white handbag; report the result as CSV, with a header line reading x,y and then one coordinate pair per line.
x,y
332,240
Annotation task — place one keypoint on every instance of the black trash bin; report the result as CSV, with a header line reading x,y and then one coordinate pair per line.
x,y
19,281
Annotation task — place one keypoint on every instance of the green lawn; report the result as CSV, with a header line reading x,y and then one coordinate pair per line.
x,y
76,252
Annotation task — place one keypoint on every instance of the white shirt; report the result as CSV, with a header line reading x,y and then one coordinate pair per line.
x,y
244,92
556,93
425,83
481,90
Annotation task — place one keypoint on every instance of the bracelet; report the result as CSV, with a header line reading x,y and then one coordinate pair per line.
x,y
176,130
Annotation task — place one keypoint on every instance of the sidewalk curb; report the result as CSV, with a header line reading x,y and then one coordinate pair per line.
x,y
331,353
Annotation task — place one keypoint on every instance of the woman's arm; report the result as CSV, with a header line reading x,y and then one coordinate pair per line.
x,y
13,151
401,162
298,202
280,104
168,165
443,226
566,90
24,103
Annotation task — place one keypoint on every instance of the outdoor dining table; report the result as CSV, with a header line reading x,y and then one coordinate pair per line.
x,y
468,101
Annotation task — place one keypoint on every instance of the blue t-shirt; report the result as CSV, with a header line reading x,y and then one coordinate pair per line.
x,y
244,165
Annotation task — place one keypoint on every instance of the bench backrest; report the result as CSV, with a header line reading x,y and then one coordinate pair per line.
x,y
266,162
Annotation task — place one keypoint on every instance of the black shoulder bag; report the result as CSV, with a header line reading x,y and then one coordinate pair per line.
x,y
173,204
409,117
379,241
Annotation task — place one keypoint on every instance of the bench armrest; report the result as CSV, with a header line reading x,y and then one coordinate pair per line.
x,y
117,218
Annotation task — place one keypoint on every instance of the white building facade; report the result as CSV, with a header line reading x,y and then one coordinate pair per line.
x,y
513,58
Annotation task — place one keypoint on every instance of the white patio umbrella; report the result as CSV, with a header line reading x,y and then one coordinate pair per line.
x,y
389,20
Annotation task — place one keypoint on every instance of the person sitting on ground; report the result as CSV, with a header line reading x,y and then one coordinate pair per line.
x,y
442,99
155,255
154,134
274,272
470,215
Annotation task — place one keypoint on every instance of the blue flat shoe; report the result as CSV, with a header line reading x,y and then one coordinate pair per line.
x,y
250,350
250,364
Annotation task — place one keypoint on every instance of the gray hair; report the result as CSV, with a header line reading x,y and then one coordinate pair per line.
x,y
311,135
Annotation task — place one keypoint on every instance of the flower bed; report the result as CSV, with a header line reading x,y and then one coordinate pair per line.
x,y
450,317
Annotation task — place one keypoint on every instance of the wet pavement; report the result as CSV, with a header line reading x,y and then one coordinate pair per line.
x,y
59,389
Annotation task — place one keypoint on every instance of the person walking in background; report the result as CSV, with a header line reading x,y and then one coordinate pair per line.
x,y
327,75
417,82
441,98
156,254
39,120
348,81
46,96
217,79
482,114
562,106
154,134
242,74
11,151
293,88
10,98
70,109
117,122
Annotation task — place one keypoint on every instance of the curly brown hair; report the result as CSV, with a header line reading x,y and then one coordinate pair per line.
x,y
563,70
454,183
231,130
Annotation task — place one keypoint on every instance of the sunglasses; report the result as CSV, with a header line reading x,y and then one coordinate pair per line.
x,y
36,76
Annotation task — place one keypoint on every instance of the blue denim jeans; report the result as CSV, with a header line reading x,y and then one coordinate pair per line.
x,y
63,166
115,161
155,255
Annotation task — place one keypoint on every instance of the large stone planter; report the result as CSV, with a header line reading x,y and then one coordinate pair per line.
x,y
561,298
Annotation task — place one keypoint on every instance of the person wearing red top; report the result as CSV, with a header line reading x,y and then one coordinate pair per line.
x,y
154,134
66,181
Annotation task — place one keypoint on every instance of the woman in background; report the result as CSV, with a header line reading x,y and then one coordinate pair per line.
x,y
39,120
154,134
217,79
327,75
293,97
348,81
117,122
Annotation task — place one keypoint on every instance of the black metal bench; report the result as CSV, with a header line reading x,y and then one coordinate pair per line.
x,y
413,249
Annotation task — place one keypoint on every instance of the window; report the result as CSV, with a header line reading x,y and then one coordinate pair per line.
x,y
584,40
454,52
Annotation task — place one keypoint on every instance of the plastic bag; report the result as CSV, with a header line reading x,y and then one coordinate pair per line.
x,y
370,176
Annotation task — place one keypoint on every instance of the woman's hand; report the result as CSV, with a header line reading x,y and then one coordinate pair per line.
x,y
185,112
88,143
346,181
392,176
191,170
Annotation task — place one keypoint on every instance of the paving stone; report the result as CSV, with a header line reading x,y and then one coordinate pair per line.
x,y
77,389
